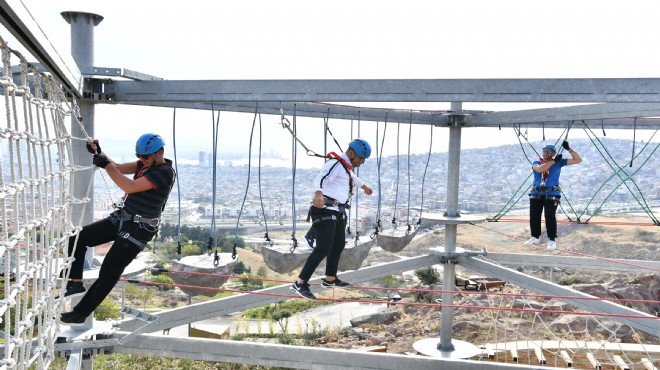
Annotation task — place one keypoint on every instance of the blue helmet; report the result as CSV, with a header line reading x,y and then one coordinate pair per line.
x,y
149,144
360,147
551,147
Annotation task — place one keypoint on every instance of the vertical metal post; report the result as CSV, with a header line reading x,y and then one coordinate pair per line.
x,y
82,51
449,269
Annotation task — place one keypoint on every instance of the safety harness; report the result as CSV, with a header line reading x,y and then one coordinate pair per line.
x,y
331,202
542,190
120,216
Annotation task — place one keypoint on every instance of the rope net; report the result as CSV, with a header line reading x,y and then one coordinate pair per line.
x,y
35,204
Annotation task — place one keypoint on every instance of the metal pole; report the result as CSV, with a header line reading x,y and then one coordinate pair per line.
x,y
449,269
82,51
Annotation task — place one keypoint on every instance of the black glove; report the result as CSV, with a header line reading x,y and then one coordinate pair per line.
x,y
557,158
98,148
100,160
565,145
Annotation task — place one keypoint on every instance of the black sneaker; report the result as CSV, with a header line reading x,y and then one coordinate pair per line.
x,y
74,288
310,241
302,290
334,283
72,318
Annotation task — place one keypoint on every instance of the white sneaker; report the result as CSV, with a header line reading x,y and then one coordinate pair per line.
x,y
532,240
552,245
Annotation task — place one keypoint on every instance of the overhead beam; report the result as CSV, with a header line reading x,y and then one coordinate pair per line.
x,y
603,90
649,324
16,18
611,117
614,115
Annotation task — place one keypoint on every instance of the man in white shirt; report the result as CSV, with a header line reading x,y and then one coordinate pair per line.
x,y
334,188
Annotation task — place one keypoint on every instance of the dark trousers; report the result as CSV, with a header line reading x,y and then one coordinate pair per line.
x,y
540,205
330,242
119,256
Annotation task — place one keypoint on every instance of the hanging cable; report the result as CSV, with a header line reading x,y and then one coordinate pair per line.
x,y
357,193
215,122
634,138
379,227
247,184
261,199
408,168
178,188
426,167
396,192
294,154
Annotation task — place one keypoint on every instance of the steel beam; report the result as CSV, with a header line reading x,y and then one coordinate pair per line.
x,y
296,357
598,90
571,262
613,114
223,306
650,324
19,22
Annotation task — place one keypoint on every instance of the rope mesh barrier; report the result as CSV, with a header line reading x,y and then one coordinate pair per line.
x,y
36,200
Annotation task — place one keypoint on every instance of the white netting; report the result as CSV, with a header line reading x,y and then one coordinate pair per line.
x,y
36,190
542,331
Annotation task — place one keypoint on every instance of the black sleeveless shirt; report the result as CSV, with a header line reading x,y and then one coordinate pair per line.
x,y
151,203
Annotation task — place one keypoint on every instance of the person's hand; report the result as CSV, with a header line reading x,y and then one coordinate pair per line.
x,y
100,160
93,147
557,158
317,200
367,190
565,145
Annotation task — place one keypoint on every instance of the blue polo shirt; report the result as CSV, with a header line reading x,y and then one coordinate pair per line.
x,y
550,181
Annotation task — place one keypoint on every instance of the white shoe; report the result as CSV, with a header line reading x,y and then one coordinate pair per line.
x,y
532,240
552,245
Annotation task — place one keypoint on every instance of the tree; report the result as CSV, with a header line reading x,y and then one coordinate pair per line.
x,y
428,275
282,318
108,309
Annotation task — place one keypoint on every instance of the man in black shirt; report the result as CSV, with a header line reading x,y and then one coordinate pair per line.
x,y
130,228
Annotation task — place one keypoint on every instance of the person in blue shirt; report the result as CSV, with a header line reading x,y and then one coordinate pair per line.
x,y
546,193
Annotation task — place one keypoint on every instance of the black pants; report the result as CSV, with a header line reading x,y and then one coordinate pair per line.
x,y
546,205
119,256
330,242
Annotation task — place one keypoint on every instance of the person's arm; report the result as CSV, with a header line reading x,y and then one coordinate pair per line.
x,y
126,184
575,158
543,167
127,168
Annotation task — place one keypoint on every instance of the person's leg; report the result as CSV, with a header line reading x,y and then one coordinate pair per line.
x,y
550,206
325,231
535,211
120,255
91,235
338,245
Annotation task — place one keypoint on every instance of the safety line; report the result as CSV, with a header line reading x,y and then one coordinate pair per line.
x,y
413,290
576,253
420,304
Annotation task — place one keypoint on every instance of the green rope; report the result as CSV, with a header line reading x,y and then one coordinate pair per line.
x,y
645,207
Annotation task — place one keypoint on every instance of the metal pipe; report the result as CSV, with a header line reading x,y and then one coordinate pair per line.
x,y
449,269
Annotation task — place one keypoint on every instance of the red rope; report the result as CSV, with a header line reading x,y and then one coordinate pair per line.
x,y
153,283
413,290
566,251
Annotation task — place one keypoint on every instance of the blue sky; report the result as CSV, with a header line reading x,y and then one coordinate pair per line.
x,y
200,39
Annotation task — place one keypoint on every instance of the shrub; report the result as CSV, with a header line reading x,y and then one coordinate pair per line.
x,y
428,275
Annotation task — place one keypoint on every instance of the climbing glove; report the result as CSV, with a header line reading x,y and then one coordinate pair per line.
x,y
557,158
565,145
98,148
100,160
